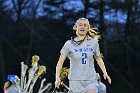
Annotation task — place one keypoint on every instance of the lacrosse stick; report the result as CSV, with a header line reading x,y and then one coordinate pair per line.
x,y
32,71
42,69
23,76
47,88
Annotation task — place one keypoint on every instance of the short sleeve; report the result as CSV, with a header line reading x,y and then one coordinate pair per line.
x,y
65,49
97,49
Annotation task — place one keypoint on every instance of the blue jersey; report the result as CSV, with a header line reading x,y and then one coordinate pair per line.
x,y
81,59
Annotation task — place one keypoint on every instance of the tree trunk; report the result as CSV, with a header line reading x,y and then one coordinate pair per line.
x,y
2,69
102,27
86,4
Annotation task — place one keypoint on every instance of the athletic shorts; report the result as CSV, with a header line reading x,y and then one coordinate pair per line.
x,y
81,86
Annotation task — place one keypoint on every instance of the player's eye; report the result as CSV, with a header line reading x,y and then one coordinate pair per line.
x,y
79,25
85,25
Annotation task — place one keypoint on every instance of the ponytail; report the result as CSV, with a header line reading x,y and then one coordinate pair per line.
x,y
93,33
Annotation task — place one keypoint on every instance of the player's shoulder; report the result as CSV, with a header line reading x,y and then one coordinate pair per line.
x,y
93,40
68,42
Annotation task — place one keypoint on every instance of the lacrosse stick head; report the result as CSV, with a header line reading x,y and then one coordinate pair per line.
x,y
23,66
42,69
35,60
64,73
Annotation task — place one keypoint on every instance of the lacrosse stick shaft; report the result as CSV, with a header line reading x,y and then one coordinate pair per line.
x,y
54,90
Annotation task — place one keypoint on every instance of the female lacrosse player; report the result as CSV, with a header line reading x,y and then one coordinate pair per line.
x,y
10,86
80,51
101,86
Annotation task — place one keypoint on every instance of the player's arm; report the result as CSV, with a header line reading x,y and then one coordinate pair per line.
x,y
100,62
60,64
102,66
58,69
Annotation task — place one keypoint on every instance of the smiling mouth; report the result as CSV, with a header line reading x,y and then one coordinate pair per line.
x,y
82,30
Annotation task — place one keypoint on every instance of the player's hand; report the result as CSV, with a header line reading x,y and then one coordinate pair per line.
x,y
106,76
57,82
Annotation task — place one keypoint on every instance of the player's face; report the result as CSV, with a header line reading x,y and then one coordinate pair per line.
x,y
82,27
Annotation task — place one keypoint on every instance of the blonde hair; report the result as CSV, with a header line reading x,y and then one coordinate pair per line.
x,y
91,32
6,85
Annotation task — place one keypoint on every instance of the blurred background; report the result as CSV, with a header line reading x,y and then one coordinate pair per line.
x,y
41,27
